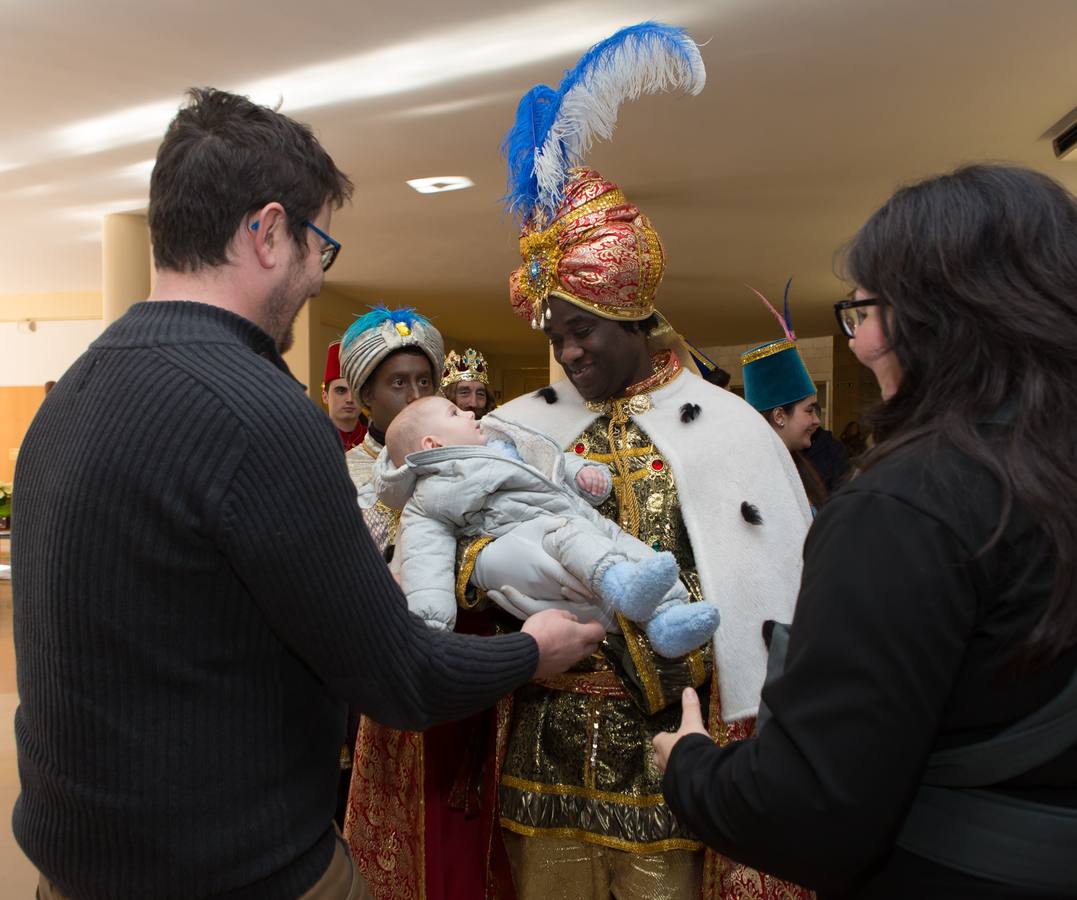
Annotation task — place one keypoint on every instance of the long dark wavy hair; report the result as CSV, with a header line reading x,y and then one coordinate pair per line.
x,y
979,268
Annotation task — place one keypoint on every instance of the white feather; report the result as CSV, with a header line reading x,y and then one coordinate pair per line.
x,y
589,109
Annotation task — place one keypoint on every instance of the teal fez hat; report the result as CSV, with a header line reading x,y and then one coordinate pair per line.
x,y
774,373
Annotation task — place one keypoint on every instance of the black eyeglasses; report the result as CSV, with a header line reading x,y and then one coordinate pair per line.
x,y
328,253
849,316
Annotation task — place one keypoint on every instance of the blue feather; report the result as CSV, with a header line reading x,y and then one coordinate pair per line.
x,y
788,316
534,116
557,134
378,315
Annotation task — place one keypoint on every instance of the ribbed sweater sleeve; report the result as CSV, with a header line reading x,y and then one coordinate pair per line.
x,y
292,530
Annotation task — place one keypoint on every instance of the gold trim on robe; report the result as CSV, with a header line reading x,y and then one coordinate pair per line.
x,y
580,765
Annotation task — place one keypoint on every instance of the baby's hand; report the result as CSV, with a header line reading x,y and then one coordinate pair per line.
x,y
594,480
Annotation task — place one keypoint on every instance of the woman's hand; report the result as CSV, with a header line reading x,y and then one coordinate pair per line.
x,y
691,723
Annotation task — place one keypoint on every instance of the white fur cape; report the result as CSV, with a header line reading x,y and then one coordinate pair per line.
x,y
724,457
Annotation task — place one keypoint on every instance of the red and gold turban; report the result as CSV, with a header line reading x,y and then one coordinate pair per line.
x,y
599,252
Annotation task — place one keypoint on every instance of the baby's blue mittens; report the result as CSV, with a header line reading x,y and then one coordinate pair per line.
x,y
637,588
679,629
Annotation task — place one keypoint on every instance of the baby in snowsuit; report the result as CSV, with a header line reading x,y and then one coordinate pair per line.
x,y
454,479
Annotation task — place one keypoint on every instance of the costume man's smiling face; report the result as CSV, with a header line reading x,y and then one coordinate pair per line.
x,y
600,357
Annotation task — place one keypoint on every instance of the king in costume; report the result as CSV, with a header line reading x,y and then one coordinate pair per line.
x,y
695,471
421,819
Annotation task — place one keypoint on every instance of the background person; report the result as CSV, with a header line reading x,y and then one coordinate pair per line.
x,y
465,380
777,384
422,813
829,458
938,609
389,358
340,402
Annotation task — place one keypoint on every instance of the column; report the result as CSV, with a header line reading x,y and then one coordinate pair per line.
x,y
125,263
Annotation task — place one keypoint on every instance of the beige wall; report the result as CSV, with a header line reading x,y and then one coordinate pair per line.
x,y
50,307
40,336
18,405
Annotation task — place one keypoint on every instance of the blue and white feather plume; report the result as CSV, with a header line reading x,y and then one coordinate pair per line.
x,y
555,129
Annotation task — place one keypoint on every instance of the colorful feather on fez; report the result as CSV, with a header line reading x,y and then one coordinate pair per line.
x,y
554,129
785,321
378,315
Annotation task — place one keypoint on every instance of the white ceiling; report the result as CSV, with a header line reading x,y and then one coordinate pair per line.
x,y
813,112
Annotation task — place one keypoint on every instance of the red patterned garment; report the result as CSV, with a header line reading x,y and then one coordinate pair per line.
x,y
422,815
724,879
354,437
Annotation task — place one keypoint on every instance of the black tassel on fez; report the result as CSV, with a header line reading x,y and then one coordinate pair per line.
x,y
751,513
690,412
547,393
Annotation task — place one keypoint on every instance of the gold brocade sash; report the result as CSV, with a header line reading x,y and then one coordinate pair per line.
x,y
595,684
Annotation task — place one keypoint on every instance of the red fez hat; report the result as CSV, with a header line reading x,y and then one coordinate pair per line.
x,y
332,365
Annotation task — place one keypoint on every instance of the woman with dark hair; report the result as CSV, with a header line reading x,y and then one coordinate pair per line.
x,y
795,423
922,739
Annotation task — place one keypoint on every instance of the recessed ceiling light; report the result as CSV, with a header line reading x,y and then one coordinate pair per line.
x,y
441,183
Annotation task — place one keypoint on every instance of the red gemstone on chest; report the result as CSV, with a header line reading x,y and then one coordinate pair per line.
x,y
579,448
658,465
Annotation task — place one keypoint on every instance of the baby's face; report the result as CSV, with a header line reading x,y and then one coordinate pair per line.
x,y
449,425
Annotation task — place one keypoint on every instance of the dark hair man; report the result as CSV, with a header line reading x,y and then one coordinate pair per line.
x,y
339,401
191,615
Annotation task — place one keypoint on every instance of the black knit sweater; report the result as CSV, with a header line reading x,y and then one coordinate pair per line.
x,y
195,598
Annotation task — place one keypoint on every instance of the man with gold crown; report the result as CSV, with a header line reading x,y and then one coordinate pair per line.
x,y
465,381
695,471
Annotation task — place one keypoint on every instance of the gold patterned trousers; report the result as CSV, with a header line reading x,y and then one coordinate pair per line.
x,y
564,869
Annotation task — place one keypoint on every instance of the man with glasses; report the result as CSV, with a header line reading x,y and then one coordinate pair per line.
x,y
191,614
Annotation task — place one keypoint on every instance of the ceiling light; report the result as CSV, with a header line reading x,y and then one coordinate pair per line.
x,y
440,184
